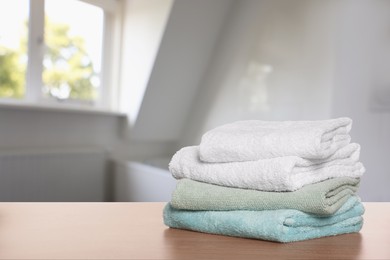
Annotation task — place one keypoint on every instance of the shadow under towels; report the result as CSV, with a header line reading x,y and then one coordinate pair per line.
x,y
284,225
287,173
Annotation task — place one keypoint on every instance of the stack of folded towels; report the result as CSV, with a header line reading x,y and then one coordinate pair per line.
x,y
280,181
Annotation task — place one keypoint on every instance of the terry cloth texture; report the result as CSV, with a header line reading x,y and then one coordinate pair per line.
x,y
323,198
278,174
284,225
253,140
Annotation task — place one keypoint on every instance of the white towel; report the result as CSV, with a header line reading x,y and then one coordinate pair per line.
x,y
278,174
253,140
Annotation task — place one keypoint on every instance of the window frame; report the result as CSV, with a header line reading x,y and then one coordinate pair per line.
x,y
111,46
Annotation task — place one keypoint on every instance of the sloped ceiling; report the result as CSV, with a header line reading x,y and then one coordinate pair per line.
x,y
186,47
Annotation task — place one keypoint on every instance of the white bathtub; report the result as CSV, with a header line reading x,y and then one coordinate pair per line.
x,y
142,181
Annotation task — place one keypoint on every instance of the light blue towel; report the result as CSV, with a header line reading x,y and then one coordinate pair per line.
x,y
284,225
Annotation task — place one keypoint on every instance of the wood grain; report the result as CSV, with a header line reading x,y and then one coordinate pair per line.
x,y
136,231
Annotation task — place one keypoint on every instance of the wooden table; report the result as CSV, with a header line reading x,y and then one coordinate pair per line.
x,y
136,231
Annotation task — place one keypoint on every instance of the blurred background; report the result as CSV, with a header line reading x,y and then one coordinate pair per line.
x,y
96,96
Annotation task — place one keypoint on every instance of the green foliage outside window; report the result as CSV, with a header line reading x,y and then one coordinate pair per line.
x,y
12,72
67,66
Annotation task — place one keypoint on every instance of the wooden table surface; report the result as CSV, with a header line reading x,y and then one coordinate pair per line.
x,y
136,231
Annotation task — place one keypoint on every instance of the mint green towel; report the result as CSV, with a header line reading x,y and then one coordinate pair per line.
x,y
283,225
323,198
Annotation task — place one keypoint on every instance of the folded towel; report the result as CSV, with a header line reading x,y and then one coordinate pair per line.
x,y
323,198
253,140
283,225
278,174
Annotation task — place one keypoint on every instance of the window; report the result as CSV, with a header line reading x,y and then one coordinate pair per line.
x,y
13,47
72,58
55,51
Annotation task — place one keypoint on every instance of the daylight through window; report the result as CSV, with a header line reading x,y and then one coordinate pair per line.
x,y
13,47
73,49
52,51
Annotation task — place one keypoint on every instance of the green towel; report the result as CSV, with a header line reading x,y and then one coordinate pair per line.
x,y
323,198
283,225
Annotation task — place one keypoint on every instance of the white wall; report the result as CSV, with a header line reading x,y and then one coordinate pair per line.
x,y
62,175
22,128
28,178
191,33
143,26
34,129
273,62
362,67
